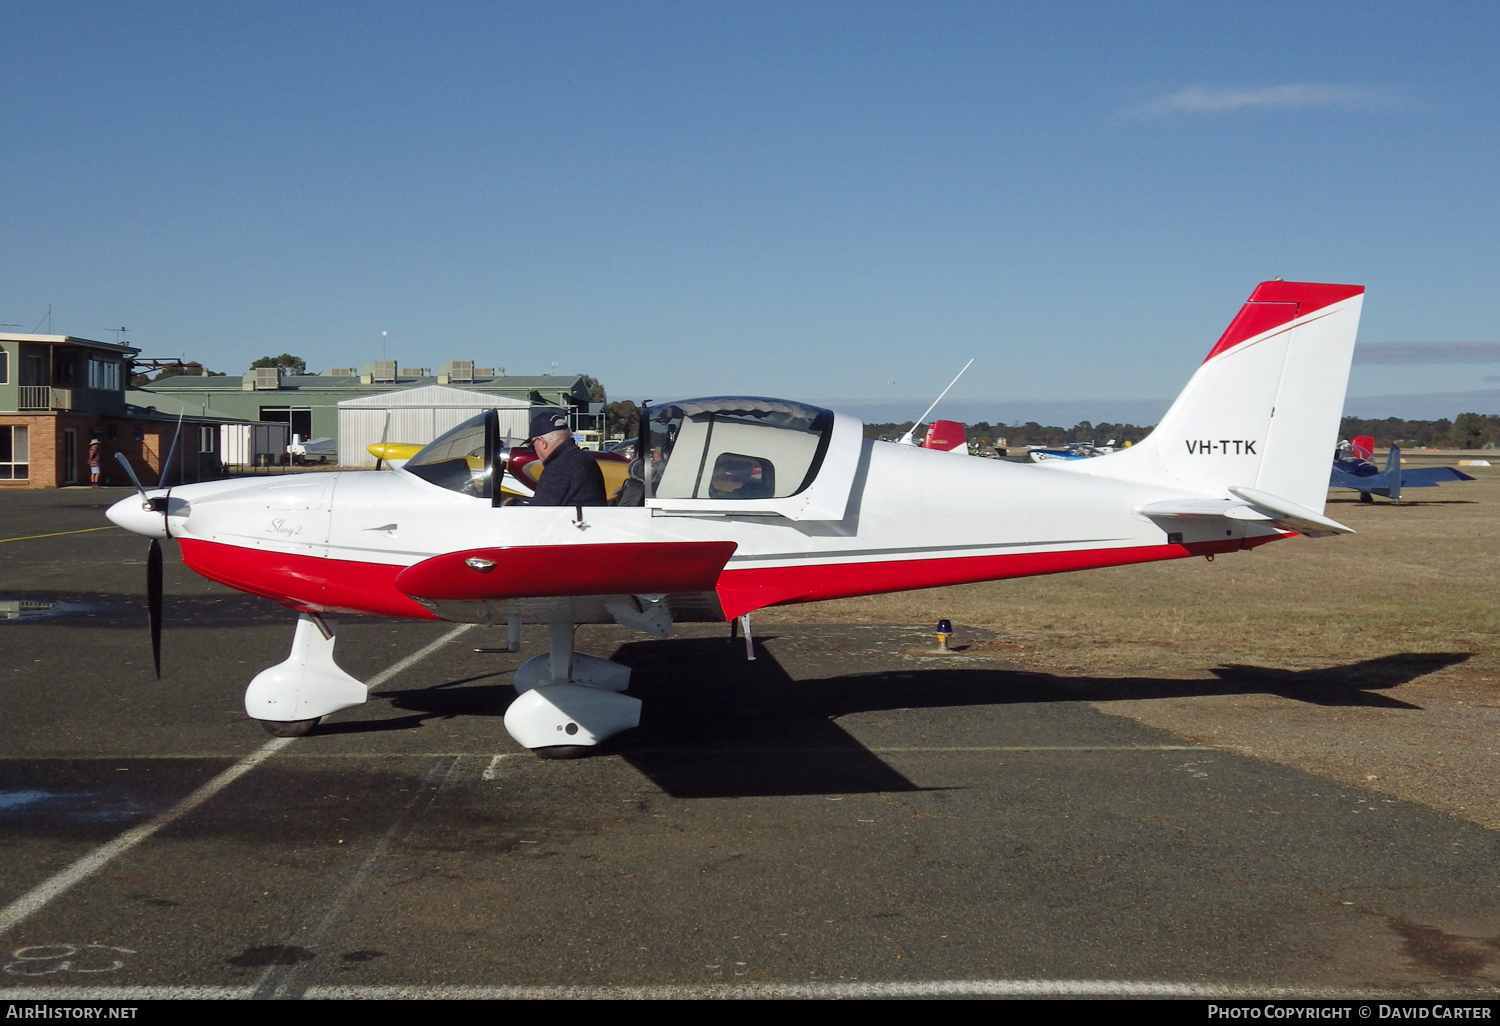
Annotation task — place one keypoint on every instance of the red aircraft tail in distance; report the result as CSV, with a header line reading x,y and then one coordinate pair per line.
x,y
946,435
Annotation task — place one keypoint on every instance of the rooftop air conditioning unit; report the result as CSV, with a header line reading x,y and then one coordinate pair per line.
x,y
482,373
462,370
413,372
340,372
267,378
385,370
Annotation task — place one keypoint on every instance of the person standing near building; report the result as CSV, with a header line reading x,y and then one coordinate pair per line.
x,y
96,452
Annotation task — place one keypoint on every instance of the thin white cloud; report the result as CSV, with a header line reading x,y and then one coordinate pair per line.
x,y
1396,354
1199,99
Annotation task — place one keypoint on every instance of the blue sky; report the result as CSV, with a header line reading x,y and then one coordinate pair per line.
x,y
827,201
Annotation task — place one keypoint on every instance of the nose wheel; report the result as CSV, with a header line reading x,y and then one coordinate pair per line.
x,y
290,728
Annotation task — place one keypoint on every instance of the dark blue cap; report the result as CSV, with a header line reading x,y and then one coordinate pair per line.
x,y
545,421
945,627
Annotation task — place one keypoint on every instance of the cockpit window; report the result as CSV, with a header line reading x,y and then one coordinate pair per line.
x,y
456,460
736,448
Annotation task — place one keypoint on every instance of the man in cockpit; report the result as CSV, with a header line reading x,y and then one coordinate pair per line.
x,y
572,478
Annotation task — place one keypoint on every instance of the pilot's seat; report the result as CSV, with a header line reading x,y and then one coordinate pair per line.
x,y
742,477
633,490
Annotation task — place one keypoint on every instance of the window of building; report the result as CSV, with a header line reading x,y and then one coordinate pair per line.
x,y
64,370
15,452
4,367
104,374
207,439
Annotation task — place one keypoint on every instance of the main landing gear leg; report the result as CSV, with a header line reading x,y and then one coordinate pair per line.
x,y
291,697
569,701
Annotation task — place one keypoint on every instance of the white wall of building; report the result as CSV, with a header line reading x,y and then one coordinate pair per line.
x,y
244,444
417,416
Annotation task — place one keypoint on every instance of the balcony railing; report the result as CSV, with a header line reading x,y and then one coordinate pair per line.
x,y
42,397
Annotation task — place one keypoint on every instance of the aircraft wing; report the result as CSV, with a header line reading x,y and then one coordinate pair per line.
x,y
1431,477
537,571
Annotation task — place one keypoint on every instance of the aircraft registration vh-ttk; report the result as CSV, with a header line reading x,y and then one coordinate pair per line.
x,y
747,502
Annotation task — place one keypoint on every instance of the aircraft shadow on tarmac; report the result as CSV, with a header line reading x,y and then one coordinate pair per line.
x,y
714,725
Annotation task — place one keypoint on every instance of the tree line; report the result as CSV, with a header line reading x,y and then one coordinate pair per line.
x,y
1466,431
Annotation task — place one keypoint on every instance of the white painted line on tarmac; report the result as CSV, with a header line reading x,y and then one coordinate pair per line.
x,y
416,657
857,990
1056,748
38,897
777,750
35,899
493,769
277,981
826,991
924,749
125,993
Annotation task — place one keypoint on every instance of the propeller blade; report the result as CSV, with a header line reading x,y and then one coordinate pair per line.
x,y
131,471
166,468
153,601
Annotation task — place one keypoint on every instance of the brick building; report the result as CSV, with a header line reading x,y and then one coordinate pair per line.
x,y
59,393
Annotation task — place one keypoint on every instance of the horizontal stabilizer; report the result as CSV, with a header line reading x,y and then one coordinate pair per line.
x,y
1234,509
1250,504
1289,516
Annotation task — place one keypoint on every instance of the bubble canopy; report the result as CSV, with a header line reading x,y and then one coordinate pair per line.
x,y
735,448
468,459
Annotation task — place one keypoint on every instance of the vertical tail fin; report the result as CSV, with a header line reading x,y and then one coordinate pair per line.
x,y
1263,410
1393,473
947,435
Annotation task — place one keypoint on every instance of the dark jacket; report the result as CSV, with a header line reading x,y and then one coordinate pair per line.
x,y
572,478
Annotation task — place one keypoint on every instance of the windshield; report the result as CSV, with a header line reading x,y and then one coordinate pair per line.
x,y
457,460
736,448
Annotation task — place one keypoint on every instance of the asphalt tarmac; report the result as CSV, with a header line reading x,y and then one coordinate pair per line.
x,y
844,816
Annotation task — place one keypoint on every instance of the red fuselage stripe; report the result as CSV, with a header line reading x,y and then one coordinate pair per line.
x,y
319,584
311,583
744,591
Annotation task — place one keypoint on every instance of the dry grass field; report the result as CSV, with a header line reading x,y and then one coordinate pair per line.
x,y
1371,659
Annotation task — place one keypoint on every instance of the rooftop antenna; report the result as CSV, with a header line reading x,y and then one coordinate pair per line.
x,y
906,439
119,334
48,319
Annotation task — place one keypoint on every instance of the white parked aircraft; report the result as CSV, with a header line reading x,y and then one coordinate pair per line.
x,y
750,502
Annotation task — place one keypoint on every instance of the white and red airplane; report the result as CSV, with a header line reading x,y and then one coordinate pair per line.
x,y
752,502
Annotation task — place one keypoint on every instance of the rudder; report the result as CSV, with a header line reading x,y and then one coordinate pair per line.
x,y
1263,410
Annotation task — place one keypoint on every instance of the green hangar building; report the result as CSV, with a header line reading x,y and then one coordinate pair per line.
x,y
308,403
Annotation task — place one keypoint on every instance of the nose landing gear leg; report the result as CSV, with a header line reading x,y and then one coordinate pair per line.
x,y
291,697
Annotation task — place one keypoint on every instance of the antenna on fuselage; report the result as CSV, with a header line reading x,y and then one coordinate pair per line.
x,y
906,439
